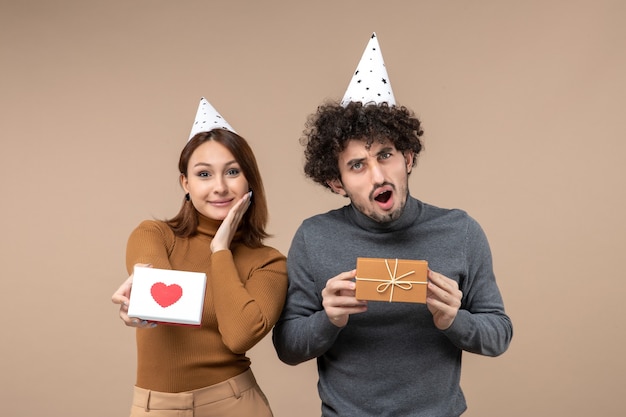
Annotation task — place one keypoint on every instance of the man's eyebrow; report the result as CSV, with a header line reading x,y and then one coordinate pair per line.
x,y
387,149
354,161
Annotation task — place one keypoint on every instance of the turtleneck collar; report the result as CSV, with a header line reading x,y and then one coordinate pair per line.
x,y
208,227
408,217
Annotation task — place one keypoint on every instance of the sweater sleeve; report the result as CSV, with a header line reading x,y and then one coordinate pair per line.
x,y
149,243
481,325
303,331
247,307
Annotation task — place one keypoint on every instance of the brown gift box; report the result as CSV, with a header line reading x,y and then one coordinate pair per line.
x,y
392,280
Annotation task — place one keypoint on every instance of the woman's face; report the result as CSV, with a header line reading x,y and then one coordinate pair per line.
x,y
214,180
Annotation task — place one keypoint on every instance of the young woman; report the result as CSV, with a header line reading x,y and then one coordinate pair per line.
x,y
219,230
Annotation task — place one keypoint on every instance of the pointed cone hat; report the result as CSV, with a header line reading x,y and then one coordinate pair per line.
x,y
370,82
208,118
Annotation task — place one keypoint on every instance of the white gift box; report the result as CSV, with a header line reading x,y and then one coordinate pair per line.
x,y
168,296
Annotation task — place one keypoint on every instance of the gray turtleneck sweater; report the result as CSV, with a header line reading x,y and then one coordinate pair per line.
x,y
391,360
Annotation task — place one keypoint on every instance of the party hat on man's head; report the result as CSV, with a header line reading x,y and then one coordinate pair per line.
x,y
370,82
208,118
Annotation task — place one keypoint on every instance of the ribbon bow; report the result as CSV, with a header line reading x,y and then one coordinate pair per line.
x,y
393,281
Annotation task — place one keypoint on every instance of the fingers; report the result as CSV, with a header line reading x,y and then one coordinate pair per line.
x,y
444,289
342,285
122,297
443,299
141,324
239,209
228,228
339,298
245,203
122,294
134,321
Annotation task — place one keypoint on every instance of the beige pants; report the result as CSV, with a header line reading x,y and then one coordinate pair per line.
x,y
236,397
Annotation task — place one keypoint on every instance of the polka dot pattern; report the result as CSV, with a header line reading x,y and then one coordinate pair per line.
x,y
207,118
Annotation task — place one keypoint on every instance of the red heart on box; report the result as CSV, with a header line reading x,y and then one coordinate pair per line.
x,y
166,295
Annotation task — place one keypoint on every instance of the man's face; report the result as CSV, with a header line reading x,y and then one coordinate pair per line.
x,y
376,179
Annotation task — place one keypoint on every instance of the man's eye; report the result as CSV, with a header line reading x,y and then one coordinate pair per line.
x,y
385,155
357,166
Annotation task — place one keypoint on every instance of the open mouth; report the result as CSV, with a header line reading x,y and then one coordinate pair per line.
x,y
383,197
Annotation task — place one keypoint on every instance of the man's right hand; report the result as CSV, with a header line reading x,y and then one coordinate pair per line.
x,y
339,298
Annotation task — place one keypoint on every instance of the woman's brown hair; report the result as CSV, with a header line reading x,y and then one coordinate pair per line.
x,y
254,221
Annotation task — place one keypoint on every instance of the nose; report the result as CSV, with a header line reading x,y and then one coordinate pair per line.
x,y
220,186
376,173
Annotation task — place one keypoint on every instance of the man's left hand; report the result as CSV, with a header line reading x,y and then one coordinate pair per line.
x,y
443,299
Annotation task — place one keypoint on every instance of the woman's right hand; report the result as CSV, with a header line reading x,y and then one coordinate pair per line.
x,y
122,297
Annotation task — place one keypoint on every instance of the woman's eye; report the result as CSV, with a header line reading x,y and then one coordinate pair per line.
x,y
203,174
233,172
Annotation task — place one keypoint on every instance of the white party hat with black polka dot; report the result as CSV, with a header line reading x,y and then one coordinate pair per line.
x,y
207,118
370,82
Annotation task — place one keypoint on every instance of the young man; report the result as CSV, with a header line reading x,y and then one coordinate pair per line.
x,y
384,358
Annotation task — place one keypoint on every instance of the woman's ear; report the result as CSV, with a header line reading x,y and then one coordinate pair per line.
x,y
336,186
184,182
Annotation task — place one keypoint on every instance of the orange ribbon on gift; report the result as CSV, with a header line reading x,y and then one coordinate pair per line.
x,y
393,281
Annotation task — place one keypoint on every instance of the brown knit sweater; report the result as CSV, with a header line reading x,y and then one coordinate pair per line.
x,y
245,293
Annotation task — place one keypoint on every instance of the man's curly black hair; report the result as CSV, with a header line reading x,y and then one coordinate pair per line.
x,y
328,131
